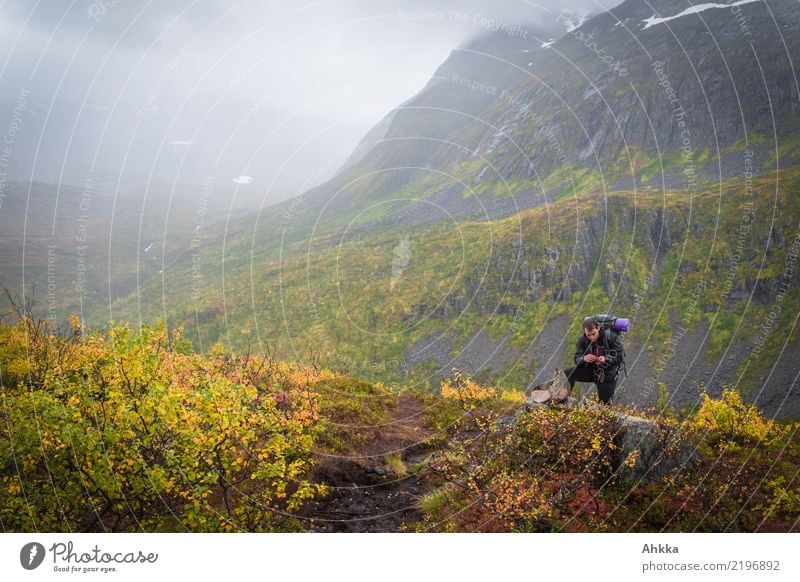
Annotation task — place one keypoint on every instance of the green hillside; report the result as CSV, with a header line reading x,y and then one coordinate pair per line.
x,y
355,301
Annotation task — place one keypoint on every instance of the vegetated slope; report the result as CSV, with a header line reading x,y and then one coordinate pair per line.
x,y
716,260
128,431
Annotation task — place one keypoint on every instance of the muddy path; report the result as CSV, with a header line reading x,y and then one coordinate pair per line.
x,y
376,487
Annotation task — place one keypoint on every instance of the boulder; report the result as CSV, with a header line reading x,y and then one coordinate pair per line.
x,y
555,390
649,449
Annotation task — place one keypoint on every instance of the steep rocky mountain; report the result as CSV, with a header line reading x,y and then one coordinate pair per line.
x,y
650,93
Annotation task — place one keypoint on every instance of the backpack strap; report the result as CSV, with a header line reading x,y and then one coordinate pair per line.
x,y
611,337
623,366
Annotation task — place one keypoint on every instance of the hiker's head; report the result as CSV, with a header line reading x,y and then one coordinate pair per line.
x,y
591,328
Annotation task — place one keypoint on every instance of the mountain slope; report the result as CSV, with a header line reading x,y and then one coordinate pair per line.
x,y
405,306
612,104
482,222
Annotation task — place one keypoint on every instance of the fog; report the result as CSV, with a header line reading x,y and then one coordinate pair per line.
x,y
269,98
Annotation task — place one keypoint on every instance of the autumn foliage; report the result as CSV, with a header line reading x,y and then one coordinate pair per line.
x,y
559,469
129,431
523,475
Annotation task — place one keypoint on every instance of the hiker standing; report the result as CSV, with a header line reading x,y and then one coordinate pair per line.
x,y
598,354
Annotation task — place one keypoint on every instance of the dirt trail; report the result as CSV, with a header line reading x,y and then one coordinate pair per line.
x,y
366,493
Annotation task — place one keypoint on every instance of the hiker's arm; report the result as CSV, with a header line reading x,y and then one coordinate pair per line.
x,y
580,351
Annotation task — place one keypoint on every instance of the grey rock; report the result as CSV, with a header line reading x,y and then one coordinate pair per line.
x,y
653,448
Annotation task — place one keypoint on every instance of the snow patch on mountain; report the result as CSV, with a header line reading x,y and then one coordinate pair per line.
x,y
653,20
572,20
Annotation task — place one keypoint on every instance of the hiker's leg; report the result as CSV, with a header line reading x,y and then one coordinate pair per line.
x,y
605,391
579,374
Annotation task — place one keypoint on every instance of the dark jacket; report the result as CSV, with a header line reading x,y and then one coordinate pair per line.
x,y
607,345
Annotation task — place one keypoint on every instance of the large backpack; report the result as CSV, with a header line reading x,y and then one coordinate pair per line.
x,y
614,327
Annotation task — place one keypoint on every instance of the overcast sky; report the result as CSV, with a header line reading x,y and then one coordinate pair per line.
x,y
273,90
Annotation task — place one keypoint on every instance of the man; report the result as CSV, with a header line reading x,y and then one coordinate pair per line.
x,y
598,354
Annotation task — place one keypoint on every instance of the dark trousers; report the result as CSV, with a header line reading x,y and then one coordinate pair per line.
x,y
605,390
